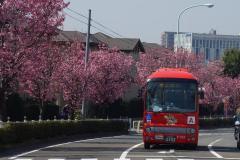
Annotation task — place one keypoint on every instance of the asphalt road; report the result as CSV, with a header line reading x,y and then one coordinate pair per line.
x,y
213,144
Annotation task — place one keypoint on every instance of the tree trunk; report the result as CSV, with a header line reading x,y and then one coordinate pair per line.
x,y
2,106
41,108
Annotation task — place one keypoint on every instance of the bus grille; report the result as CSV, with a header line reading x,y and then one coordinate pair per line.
x,y
172,130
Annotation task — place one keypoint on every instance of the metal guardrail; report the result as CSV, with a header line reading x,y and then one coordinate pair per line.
x,y
136,125
215,117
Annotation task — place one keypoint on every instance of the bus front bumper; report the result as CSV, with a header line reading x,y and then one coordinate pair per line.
x,y
170,138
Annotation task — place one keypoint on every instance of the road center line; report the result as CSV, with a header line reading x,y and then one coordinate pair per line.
x,y
124,154
211,149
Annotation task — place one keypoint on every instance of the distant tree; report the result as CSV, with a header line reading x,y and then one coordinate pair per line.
x,y
231,59
219,88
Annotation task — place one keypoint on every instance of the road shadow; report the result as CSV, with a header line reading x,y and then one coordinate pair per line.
x,y
186,148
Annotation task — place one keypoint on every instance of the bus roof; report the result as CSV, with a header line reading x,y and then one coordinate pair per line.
x,y
181,73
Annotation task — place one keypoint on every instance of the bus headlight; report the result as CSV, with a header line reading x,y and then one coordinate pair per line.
x,y
148,129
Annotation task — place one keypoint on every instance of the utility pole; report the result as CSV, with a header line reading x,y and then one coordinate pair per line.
x,y
86,57
87,39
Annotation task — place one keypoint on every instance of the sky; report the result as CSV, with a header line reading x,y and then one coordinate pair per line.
x,y
147,19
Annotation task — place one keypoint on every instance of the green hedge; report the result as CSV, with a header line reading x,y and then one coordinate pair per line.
x,y
19,132
216,123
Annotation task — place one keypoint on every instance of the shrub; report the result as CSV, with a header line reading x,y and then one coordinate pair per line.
x,y
15,107
50,110
19,132
32,111
216,122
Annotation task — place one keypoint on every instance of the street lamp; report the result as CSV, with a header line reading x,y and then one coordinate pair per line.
x,y
209,5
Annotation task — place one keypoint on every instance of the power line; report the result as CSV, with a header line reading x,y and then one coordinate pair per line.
x,y
81,21
98,23
76,19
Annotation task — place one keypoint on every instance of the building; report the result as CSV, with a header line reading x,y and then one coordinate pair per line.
x,y
132,46
68,37
151,46
167,40
211,45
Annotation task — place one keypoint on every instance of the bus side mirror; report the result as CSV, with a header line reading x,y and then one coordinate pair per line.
x,y
201,91
141,91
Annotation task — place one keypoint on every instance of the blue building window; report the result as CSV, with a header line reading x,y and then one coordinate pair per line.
x,y
193,43
207,54
217,56
197,51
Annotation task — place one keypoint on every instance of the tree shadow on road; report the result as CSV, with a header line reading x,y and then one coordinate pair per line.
x,y
199,148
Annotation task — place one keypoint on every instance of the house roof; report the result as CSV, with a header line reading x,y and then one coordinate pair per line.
x,y
148,46
70,36
124,44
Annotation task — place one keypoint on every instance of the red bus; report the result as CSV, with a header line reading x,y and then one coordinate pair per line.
x,y
171,108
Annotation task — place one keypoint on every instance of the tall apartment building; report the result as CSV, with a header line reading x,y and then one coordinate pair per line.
x,y
211,45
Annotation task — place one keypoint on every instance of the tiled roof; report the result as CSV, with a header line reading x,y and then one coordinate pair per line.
x,y
70,36
148,46
124,44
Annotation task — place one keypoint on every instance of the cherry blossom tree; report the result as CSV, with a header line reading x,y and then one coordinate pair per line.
x,y
37,78
25,27
72,76
164,58
111,75
106,78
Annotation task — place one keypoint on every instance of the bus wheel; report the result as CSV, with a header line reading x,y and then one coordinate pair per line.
x,y
192,146
146,145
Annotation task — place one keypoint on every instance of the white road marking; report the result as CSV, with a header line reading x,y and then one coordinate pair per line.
x,y
180,157
23,154
56,159
149,156
119,159
89,159
185,159
36,150
153,159
124,154
167,152
211,149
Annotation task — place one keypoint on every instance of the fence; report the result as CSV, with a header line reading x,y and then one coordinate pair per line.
x,y
55,119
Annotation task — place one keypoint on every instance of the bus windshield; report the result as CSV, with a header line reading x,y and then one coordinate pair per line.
x,y
179,96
